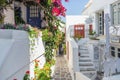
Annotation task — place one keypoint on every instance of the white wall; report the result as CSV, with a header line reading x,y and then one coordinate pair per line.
x,y
36,53
115,77
24,12
14,46
16,54
70,32
74,54
9,15
95,7
73,57
74,20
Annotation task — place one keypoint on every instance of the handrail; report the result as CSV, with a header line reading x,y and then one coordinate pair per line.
x,y
23,67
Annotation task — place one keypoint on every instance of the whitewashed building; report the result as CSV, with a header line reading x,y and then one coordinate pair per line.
x,y
105,52
21,13
80,53
107,31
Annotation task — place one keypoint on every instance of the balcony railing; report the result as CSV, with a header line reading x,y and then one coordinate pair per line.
x,y
115,38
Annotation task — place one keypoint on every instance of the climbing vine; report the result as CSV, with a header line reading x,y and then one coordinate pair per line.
x,y
52,36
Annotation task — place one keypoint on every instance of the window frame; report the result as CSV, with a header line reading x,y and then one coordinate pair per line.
x,y
113,50
116,51
34,11
117,21
101,22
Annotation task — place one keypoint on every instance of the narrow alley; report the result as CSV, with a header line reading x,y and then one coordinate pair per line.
x,y
61,69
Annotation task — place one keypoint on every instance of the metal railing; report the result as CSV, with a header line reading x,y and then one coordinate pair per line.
x,y
23,67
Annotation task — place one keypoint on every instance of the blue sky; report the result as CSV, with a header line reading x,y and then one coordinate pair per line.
x,y
74,7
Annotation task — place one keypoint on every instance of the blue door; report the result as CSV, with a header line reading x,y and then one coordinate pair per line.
x,y
33,16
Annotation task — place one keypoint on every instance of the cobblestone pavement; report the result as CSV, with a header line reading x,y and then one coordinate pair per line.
x,y
61,69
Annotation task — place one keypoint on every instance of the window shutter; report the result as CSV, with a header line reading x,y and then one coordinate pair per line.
x,y
90,27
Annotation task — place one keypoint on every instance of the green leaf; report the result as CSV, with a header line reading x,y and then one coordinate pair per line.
x,y
49,2
2,2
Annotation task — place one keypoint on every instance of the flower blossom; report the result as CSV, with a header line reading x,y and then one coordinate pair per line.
x,y
27,72
38,1
66,0
55,11
58,8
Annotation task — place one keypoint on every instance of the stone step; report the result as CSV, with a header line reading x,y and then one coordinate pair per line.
x,y
90,71
87,69
83,52
84,56
85,64
83,48
83,60
90,75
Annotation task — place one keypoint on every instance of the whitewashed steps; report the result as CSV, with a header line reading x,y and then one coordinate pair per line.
x,y
85,62
81,60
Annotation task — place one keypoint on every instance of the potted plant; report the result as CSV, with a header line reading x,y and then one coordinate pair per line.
x,y
77,37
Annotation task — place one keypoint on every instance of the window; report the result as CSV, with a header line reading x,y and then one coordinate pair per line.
x,y
101,22
34,11
18,15
116,13
113,51
96,53
119,52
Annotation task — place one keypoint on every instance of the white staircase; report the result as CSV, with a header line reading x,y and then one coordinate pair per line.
x,y
85,62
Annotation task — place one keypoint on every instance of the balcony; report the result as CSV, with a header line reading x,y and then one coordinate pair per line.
x,y
115,39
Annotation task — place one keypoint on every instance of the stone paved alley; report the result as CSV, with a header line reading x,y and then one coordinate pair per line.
x,y
61,69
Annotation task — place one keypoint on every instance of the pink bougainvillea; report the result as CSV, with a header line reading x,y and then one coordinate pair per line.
x,y
58,8
27,72
58,1
55,11
63,10
66,0
38,1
